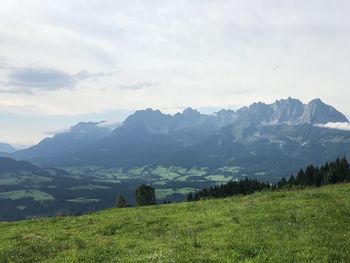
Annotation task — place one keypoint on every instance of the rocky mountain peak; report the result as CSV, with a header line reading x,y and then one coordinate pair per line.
x,y
317,112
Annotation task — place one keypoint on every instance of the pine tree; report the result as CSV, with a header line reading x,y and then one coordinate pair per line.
x,y
190,197
121,203
282,182
291,180
330,173
145,195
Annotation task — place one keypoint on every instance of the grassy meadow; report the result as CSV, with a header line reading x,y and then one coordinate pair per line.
x,y
19,194
310,225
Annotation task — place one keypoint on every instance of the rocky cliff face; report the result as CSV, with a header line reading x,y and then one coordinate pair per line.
x,y
292,111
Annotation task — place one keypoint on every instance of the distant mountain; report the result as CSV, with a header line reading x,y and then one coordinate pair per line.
x,y
6,148
274,138
77,138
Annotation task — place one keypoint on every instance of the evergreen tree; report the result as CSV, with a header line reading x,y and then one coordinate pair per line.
x,y
121,202
292,180
330,173
282,183
300,180
246,186
190,197
145,195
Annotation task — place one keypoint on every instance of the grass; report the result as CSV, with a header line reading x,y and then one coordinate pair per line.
x,y
83,200
309,225
260,173
25,179
163,193
230,169
157,175
164,173
219,178
35,194
136,171
89,187
197,171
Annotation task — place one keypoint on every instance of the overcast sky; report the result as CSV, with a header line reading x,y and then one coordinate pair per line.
x,y
69,60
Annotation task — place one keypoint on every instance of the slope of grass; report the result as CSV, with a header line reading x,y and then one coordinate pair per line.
x,y
18,194
27,179
163,193
309,225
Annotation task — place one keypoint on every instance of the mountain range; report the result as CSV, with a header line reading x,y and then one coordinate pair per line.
x,y
6,148
282,136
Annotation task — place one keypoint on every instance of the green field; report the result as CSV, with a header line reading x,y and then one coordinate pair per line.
x,y
83,200
18,194
163,193
230,169
23,179
163,176
89,187
309,225
219,178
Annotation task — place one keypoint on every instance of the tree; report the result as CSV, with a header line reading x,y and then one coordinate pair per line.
x,y
190,197
282,183
292,180
121,202
145,195
330,173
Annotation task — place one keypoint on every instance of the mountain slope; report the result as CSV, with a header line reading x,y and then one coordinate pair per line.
x,y
6,148
62,144
308,225
8,165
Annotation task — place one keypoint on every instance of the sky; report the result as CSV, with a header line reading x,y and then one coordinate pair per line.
x,y
67,61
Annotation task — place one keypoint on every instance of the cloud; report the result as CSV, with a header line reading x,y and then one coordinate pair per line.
x,y
239,91
54,132
345,126
84,74
109,124
28,79
138,86
40,78
5,63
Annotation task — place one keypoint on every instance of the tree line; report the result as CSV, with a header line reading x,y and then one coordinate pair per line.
x,y
329,173
334,172
242,187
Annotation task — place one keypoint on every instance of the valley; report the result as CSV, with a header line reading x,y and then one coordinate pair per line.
x,y
86,167
76,190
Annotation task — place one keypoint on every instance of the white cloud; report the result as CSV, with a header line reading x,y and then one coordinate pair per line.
x,y
138,86
109,124
345,126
